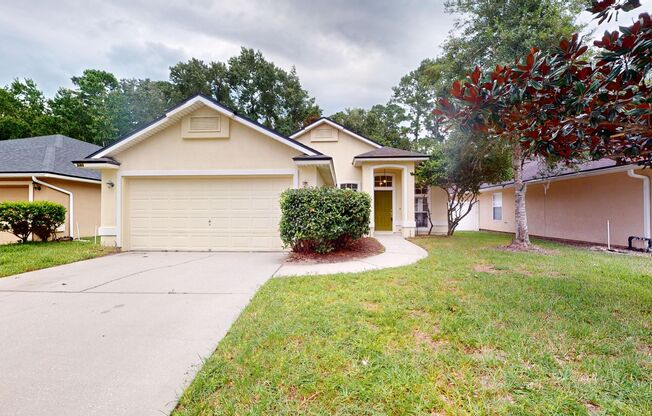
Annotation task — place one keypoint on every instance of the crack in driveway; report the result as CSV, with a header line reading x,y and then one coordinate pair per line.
x,y
144,271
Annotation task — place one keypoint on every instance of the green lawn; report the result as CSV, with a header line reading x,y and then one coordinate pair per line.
x,y
20,258
469,330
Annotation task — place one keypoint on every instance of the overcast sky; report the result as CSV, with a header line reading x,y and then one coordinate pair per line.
x,y
347,53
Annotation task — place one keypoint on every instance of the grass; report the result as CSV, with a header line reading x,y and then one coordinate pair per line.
x,y
20,258
469,330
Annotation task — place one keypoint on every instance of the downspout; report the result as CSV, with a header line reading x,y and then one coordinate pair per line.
x,y
71,202
646,200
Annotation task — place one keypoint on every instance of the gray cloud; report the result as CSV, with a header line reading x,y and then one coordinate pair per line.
x,y
347,53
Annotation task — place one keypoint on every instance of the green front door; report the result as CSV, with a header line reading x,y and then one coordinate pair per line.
x,y
383,210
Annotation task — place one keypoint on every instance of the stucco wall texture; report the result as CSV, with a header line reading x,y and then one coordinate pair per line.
x,y
575,209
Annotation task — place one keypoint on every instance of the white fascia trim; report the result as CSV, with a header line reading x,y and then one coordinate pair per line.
x,y
97,166
357,161
209,104
49,175
576,175
313,162
340,128
219,172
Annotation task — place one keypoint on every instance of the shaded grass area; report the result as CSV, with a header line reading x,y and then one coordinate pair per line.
x,y
20,258
469,330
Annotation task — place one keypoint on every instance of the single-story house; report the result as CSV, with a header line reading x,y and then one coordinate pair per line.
x,y
576,203
41,168
203,177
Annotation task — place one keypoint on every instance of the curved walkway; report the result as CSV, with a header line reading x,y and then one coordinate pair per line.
x,y
398,252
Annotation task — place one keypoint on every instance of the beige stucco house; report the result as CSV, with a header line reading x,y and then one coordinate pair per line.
x,y
575,204
203,177
40,168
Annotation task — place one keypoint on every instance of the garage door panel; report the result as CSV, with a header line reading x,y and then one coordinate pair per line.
x,y
204,214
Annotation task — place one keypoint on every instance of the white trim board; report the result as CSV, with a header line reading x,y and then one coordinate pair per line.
x,y
210,172
358,160
185,106
49,175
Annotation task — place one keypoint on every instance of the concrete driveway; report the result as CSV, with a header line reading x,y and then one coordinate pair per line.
x,y
118,335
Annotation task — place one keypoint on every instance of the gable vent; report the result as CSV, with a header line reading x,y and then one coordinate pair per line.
x,y
203,123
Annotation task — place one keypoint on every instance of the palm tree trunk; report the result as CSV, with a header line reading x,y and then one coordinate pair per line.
x,y
522,236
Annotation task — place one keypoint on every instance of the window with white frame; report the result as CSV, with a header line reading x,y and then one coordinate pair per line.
x,y
497,206
349,185
383,181
421,206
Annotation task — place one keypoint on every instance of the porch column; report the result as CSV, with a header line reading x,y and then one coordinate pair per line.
x,y
368,187
409,224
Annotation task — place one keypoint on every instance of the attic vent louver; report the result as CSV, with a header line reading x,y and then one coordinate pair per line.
x,y
204,123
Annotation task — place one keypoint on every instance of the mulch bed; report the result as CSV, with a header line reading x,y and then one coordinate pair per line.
x,y
364,247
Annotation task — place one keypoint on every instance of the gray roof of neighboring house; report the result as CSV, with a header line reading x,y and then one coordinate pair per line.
x,y
537,169
389,152
46,154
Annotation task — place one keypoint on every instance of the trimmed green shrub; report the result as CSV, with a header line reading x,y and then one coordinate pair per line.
x,y
323,219
46,218
40,218
16,217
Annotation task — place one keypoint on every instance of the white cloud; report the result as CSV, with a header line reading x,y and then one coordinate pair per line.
x,y
347,53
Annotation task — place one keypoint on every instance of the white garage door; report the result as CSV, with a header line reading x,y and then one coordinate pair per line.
x,y
234,213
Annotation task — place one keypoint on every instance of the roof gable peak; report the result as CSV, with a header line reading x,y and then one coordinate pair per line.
x,y
326,120
186,107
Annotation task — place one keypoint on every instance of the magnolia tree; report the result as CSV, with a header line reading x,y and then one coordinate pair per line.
x,y
564,105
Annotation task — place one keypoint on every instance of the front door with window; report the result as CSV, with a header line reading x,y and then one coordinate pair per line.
x,y
383,210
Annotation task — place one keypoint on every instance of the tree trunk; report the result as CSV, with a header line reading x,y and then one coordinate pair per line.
x,y
522,236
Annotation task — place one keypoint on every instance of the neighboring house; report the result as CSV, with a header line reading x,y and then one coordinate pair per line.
x,y
575,204
203,177
40,168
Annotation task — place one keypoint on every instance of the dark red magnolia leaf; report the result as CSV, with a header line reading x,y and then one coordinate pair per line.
x,y
475,76
564,44
456,91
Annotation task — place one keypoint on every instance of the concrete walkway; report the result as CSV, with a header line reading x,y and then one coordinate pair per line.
x,y
398,252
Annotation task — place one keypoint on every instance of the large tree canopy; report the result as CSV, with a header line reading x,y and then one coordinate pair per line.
x,y
382,123
251,85
415,93
23,110
100,108
490,32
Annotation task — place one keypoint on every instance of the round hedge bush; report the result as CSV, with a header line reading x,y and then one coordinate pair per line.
x,y
323,219
40,218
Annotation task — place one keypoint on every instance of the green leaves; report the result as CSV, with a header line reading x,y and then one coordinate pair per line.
x,y
323,219
40,218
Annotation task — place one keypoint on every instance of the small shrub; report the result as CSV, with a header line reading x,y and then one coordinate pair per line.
x,y
40,218
323,219
16,218
46,218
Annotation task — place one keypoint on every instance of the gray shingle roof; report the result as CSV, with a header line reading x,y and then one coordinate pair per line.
x,y
46,154
537,170
389,152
